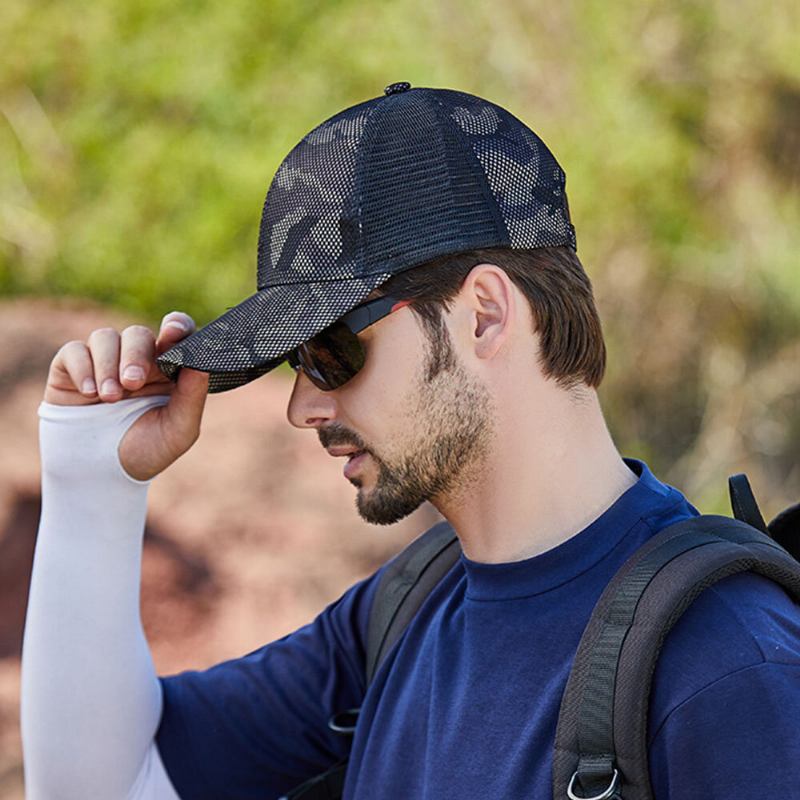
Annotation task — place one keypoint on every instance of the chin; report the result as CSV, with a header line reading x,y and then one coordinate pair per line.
x,y
377,511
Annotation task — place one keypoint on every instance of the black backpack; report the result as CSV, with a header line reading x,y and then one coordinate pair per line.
x,y
601,740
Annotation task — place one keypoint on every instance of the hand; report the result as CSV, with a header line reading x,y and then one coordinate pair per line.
x,y
122,365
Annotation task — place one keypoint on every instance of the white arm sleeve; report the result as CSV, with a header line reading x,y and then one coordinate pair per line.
x,y
90,700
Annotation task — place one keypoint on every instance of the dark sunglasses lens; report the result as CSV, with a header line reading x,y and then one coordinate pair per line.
x,y
332,357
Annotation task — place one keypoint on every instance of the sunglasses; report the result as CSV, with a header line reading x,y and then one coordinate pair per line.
x,y
335,355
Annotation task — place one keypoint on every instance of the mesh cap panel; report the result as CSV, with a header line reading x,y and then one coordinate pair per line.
x,y
310,223
526,181
423,191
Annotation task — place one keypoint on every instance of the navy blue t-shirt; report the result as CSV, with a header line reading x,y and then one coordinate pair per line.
x,y
466,704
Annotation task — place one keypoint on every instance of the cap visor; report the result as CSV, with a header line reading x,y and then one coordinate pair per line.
x,y
253,337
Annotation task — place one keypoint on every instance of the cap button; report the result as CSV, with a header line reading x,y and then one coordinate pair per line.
x,y
396,88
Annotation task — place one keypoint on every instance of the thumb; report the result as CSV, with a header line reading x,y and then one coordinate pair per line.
x,y
186,404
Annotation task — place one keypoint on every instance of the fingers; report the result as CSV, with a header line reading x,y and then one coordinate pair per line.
x,y
104,348
74,360
174,327
137,356
111,365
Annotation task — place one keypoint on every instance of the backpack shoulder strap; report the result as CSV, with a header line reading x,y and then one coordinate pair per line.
x,y
408,580
601,739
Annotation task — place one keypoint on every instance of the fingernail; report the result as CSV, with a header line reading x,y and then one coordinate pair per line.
x,y
174,323
133,373
109,386
89,386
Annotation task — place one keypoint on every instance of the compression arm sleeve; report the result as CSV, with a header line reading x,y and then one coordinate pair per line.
x,y
90,701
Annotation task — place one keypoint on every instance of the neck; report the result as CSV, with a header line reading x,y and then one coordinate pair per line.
x,y
548,476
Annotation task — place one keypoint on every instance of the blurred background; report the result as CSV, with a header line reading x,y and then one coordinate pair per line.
x,y
137,142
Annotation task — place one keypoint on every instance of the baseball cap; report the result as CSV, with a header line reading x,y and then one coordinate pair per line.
x,y
380,187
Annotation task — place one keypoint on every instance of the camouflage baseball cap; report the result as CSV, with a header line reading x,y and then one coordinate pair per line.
x,y
377,189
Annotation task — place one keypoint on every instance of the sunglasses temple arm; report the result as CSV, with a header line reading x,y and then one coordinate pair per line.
x,y
364,316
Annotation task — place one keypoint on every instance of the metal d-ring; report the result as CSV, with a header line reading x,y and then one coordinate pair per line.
x,y
606,795
345,721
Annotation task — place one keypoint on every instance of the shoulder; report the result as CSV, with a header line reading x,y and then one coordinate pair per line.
x,y
725,696
745,626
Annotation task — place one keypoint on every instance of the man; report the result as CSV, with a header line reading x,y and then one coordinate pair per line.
x,y
417,267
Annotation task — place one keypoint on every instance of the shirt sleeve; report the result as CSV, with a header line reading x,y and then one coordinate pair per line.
x,y
256,726
726,696
737,739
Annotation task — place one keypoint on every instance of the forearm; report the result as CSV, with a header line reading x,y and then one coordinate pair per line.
x,y
91,702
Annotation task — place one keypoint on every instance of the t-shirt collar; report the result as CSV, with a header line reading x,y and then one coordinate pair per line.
x,y
577,554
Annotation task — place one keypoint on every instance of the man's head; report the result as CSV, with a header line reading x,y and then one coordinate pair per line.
x,y
429,177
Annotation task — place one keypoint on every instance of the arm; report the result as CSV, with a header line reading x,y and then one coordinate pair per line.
x,y
251,727
91,702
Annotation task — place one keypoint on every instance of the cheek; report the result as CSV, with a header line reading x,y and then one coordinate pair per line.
x,y
371,404
377,402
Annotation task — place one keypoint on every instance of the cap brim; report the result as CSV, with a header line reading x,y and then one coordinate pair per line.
x,y
253,337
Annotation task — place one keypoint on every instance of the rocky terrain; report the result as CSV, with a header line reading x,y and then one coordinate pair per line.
x,y
248,536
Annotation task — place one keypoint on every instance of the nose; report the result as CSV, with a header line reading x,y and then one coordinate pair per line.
x,y
309,407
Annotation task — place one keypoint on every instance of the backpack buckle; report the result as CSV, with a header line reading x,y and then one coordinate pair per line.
x,y
606,795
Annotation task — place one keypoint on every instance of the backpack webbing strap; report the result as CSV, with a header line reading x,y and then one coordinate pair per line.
x,y
743,502
602,725
408,580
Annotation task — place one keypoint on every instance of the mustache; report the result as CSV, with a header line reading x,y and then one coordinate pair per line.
x,y
336,434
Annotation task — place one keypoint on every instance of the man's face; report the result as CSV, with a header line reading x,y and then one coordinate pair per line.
x,y
424,431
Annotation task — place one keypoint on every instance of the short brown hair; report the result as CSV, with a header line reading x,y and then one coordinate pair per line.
x,y
556,286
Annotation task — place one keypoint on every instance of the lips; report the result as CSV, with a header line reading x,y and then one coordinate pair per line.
x,y
343,451
355,457
354,463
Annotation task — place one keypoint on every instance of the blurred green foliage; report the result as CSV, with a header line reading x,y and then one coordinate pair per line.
x,y
138,138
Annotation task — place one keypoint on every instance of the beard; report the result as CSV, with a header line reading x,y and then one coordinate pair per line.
x,y
449,434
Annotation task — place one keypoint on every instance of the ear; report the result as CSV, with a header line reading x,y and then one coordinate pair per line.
x,y
490,299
